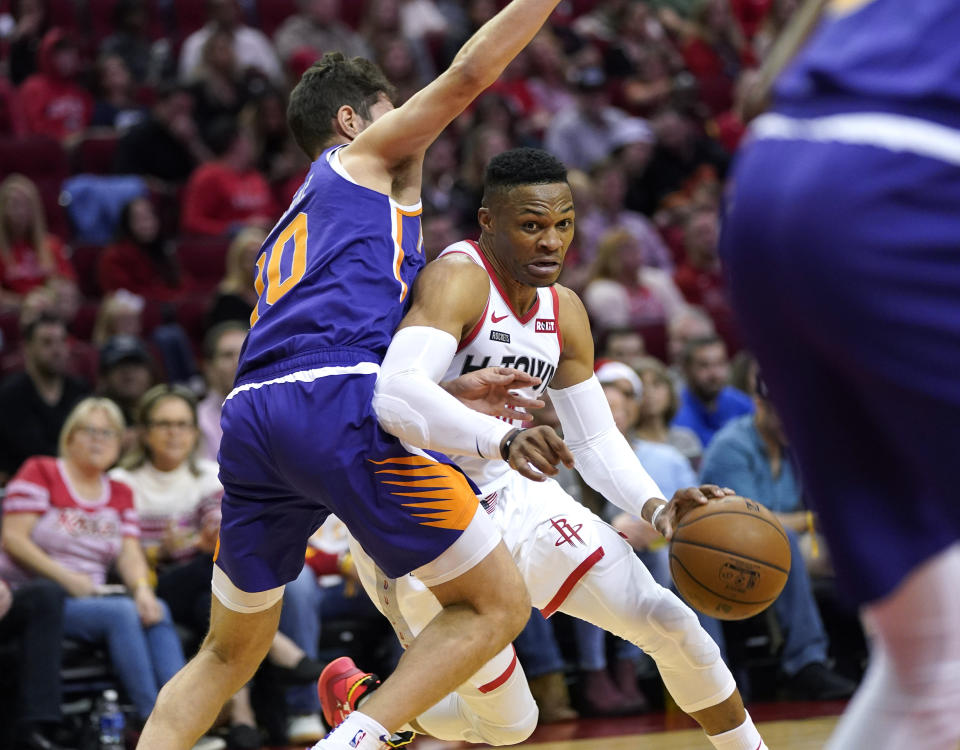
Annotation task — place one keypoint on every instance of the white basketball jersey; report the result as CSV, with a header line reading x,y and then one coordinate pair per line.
x,y
501,338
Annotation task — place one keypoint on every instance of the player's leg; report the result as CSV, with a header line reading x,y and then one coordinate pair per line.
x,y
233,649
482,611
912,687
619,594
263,536
493,706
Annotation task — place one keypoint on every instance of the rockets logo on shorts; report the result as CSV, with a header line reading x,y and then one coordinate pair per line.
x,y
541,325
567,534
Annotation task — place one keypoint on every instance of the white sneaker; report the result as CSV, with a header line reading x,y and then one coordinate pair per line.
x,y
210,743
304,729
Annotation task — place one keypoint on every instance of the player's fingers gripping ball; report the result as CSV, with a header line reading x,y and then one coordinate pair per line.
x,y
729,558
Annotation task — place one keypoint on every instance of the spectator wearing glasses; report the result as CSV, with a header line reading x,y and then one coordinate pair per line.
x,y
65,520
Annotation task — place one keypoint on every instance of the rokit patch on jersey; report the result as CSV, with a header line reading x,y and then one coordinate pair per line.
x,y
542,325
503,338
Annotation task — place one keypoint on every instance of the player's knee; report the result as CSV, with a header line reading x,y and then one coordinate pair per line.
x,y
517,731
678,633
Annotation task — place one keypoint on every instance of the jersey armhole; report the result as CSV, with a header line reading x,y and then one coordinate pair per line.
x,y
556,314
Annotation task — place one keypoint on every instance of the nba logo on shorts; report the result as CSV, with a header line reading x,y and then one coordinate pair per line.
x,y
358,738
543,325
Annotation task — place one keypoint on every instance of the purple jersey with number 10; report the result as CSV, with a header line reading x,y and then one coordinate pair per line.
x,y
334,274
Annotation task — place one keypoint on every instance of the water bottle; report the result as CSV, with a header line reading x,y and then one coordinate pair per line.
x,y
110,722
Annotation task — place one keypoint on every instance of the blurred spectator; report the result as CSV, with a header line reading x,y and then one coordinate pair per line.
x,y
622,291
397,60
544,666
278,156
681,148
64,520
53,102
439,232
708,402
221,355
120,314
168,145
222,196
318,27
11,113
439,175
236,295
60,299
713,49
147,61
35,402
126,373
141,260
641,59
481,144
30,23
116,106
699,276
688,324
29,255
623,344
583,135
251,48
33,615
748,455
608,212
547,80
219,87
657,408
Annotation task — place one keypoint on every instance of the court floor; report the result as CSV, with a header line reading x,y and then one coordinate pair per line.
x,y
784,726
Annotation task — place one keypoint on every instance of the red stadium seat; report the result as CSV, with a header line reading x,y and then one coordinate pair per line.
x,y
203,258
94,154
84,261
188,16
272,13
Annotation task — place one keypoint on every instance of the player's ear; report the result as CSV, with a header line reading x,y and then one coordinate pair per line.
x,y
485,219
348,122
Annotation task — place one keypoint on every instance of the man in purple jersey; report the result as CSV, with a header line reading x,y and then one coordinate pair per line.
x,y
300,436
841,245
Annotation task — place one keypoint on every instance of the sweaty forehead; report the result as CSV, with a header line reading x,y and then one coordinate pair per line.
x,y
555,196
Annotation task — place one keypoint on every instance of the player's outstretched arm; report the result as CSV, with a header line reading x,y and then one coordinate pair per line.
x,y
601,453
405,133
449,298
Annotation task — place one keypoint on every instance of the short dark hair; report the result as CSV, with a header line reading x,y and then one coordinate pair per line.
x,y
330,83
43,319
212,337
521,166
695,345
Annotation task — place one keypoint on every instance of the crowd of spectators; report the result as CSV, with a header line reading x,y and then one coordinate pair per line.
x,y
144,155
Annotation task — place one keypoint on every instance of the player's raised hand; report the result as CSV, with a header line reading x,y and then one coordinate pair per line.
x,y
536,452
491,390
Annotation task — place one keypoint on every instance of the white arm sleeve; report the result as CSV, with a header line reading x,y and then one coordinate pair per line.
x,y
601,453
412,406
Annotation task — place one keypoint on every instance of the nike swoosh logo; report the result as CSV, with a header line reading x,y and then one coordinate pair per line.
x,y
495,319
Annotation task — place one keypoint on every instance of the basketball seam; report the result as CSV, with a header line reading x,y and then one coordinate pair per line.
x,y
714,593
779,530
731,552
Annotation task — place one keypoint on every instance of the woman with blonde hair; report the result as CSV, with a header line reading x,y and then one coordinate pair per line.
x,y
235,293
65,520
29,255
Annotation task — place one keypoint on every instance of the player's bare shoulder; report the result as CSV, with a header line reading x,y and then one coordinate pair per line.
x,y
450,292
573,314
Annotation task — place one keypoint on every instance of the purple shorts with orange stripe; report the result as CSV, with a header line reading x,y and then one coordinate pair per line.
x,y
304,445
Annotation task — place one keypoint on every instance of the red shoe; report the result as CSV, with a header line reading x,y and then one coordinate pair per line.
x,y
340,687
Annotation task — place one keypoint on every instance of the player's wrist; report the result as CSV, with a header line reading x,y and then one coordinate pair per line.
x,y
652,507
507,442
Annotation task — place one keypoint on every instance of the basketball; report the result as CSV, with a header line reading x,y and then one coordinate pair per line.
x,y
730,558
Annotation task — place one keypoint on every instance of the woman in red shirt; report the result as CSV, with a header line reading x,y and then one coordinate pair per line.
x,y
29,255
66,521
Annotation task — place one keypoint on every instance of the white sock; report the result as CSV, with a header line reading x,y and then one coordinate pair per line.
x,y
744,737
357,732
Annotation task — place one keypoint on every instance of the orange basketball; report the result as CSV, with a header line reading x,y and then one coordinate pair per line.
x,y
730,558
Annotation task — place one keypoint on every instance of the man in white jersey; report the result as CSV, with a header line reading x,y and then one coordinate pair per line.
x,y
496,303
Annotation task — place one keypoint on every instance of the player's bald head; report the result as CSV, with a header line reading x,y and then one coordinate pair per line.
x,y
519,167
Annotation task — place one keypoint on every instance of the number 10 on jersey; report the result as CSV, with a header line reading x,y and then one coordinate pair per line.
x,y
267,282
